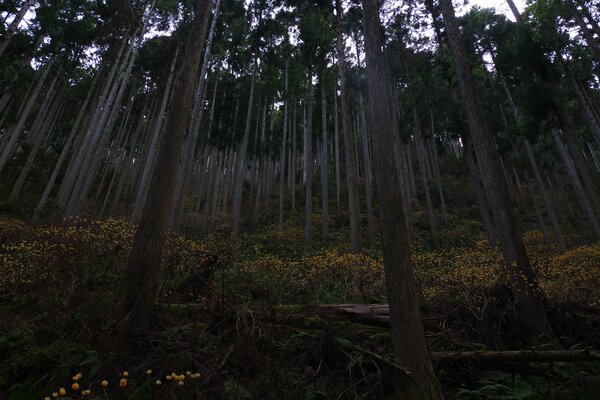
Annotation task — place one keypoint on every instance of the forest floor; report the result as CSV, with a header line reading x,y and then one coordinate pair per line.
x,y
251,326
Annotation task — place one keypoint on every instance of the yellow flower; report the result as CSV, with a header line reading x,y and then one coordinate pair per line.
x,y
62,391
86,392
158,382
180,383
125,374
188,373
75,386
123,383
169,377
104,383
77,376
55,395
149,372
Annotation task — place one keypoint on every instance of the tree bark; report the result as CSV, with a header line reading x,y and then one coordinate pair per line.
x,y
408,336
324,166
353,204
141,275
308,165
240,171
282,155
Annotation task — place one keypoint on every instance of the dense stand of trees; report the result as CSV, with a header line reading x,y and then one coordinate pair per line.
x,y
158,110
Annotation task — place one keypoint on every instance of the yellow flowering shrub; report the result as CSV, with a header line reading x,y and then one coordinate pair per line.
x,y
464,274
573,275
50,258
459,273
53,257
327,275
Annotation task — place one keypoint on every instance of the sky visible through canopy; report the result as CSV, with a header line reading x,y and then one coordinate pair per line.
x,y
499,5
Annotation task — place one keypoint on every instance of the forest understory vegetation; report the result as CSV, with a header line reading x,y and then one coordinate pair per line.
x,y
240,323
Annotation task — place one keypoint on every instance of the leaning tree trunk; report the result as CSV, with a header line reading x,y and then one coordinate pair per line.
x,y
141,276
15,131
526,291
408,335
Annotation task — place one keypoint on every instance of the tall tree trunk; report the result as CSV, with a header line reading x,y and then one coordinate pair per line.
x,y
81,150
545,198
141,276
324,165
539,216
437,173
294,155
149,165
45,129
308,165
63,154
488,225
421,155
353,204
336,133
15,131
576,182
408,335
590,184
526,292
240,171
282,155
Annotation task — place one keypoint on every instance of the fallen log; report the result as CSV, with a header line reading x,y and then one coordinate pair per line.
x,y
518,355
368,314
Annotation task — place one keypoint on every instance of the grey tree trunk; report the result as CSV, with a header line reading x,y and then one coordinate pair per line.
x,y
63,154
16,130
81,149
45,129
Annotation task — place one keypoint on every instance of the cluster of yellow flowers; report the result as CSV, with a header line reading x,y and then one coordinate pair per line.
x,y
123,382
355,276
465,273
39,257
